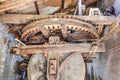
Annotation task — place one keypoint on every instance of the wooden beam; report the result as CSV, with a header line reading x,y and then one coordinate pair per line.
x,y
16,5
25,18
62,48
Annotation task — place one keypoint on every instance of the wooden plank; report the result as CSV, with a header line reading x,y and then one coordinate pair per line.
x,y
25,18
62,48
8,5
20,5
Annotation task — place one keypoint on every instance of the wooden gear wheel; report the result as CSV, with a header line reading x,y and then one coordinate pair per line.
x,y
68,27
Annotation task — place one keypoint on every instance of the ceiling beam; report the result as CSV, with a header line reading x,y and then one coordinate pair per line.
x,y
25,18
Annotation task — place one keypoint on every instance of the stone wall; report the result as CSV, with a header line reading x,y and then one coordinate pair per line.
x,y
7,60
107,65
3,48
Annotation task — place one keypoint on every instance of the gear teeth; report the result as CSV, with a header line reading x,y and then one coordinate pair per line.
x,y
53,27
32,31
83,30
71,17
86,30
48,27
36,29
76,28
67,17
44,28
58,27
67,27
58,17
80,28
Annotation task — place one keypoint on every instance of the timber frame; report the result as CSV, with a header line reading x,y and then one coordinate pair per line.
x,y
112,22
